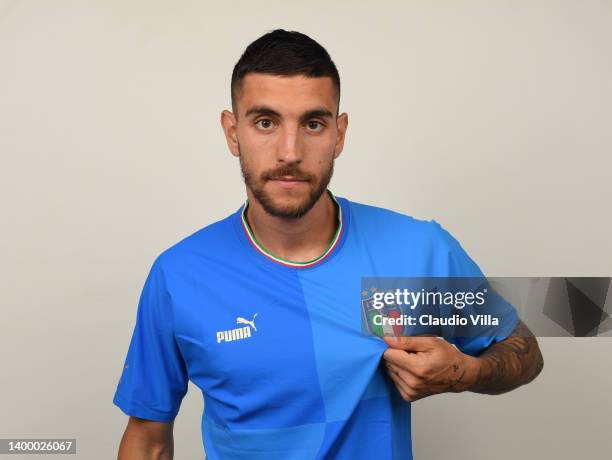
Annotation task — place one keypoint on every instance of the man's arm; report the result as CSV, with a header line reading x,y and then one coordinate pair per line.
x,y
147,440
422,365
508,364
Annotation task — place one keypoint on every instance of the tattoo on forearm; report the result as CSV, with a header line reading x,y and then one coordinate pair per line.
x,y
456,383
510,363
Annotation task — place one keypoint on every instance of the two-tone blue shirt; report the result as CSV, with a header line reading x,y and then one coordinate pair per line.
x,y
276,347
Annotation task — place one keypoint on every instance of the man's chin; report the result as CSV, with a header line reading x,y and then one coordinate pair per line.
x,y
288,204
290,193
288,208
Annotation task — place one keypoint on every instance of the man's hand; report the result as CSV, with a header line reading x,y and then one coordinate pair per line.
x,y
425,365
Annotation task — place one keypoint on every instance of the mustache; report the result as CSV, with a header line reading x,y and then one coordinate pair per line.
x,y
286,170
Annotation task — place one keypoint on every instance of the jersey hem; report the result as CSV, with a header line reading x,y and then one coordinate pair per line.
x,y
141,412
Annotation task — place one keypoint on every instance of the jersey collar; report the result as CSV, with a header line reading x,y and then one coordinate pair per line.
x,y
289,263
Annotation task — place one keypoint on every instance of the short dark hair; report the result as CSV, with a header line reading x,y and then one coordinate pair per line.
x,y
284,53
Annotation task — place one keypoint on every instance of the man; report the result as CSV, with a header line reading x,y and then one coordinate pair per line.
x,y
261,310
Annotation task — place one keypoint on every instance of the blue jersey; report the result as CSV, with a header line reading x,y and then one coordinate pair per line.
x,y
277,347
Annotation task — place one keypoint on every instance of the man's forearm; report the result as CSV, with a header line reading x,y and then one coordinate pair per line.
x,y
508,364
146,440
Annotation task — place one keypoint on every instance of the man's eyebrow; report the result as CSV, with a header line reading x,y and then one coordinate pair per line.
x,y
262,110
316,113
265,110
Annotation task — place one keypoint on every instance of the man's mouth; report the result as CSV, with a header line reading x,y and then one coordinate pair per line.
x,y
289,181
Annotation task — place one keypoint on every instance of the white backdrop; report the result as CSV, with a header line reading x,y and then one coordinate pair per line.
x,y
491,117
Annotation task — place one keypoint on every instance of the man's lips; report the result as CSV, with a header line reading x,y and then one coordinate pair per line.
x,y
289,181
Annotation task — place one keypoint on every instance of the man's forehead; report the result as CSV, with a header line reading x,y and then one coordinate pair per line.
x,y
293,95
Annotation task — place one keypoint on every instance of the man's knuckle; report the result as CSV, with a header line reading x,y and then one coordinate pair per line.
x,y
416,385
420,372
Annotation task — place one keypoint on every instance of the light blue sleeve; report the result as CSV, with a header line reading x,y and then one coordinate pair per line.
x,y
460,264
154,377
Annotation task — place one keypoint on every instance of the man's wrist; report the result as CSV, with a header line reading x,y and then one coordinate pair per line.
x,y
472,367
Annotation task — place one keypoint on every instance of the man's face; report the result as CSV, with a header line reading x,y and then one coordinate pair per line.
x,y
286,135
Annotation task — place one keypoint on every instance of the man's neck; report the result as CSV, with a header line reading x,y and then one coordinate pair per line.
x,y
298,240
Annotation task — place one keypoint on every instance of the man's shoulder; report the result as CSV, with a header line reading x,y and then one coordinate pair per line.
x,y
387,222
373,212
406,237
212,240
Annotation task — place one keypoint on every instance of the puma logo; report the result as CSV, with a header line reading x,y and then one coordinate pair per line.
x,y
240,333
241,320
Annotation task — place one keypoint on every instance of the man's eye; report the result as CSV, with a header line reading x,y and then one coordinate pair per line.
x,y
264,123
314,125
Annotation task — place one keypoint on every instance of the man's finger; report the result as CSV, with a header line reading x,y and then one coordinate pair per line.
x,y
412,343
401,359
406,392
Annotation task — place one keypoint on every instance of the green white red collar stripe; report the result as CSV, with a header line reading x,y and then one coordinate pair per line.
x,y
288,263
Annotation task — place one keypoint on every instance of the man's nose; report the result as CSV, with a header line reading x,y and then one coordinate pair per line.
x,y
289,147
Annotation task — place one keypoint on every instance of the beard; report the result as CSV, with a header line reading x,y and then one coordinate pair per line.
x,y
295,211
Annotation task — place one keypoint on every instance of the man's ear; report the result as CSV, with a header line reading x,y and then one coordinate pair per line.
x,y
228,124
342,124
